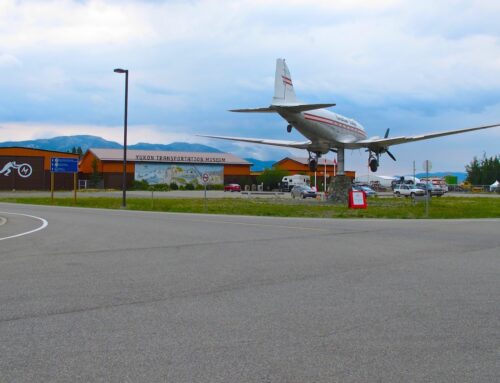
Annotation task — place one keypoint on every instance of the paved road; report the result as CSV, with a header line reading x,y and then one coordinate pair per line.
x,y
120,296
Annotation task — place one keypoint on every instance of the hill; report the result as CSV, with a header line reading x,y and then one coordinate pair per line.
x,y
259,165
67,143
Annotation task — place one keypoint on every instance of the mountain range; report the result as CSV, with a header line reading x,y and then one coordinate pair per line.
x,y
67,143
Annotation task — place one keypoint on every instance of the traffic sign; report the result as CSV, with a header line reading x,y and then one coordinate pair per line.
x,y
63,165
205,178
427,165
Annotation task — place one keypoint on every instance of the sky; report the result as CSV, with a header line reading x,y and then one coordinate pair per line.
x,y
412,67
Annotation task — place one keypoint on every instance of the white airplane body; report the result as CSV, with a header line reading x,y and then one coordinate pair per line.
x,y
326,131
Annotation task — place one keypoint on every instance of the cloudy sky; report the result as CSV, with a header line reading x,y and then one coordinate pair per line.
x,y
413,67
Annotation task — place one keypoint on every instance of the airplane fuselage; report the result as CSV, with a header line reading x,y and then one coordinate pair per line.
x,y
325,129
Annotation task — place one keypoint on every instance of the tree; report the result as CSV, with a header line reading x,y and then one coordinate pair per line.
x,y
484,171
271,177
95,177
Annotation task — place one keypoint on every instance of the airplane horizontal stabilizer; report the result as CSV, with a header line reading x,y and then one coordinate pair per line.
x,y
302,107
294,108
283,143
255,110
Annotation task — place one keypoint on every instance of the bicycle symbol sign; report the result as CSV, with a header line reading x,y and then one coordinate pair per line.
x,y
24,170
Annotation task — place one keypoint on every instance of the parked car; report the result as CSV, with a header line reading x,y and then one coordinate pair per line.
x,y
407,191
303,191
368,190
433,190
232,188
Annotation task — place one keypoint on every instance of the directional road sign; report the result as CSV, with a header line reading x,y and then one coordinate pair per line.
x,y
63,165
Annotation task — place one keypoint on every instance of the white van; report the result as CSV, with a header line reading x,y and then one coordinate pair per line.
x,y
288,182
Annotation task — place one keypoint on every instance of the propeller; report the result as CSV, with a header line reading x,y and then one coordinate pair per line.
x,y
390,154
386,150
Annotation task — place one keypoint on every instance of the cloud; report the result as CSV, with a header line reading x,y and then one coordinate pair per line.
x,y
412,67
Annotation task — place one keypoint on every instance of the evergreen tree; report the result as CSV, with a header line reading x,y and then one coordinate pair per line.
x,y
484,171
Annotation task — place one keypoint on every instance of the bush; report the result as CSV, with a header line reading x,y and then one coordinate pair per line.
x,y
215,187
140,185
189,186
174,186
159,187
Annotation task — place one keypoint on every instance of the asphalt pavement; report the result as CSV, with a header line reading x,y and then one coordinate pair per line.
x,y
90,295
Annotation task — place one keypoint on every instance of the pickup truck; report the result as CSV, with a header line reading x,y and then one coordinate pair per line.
x,y
407,190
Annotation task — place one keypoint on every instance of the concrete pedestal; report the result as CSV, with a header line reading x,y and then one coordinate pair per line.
x,y
338,190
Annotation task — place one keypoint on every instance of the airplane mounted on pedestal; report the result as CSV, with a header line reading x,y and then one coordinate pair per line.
x,y
326,131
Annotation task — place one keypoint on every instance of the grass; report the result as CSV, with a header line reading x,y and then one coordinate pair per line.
x,y
402,208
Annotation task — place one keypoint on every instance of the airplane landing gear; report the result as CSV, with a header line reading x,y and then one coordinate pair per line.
x,y
313,161
289,128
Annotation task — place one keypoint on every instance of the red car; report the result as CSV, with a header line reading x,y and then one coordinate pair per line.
x,y
232,188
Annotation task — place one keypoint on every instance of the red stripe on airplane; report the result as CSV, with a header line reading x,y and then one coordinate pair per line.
x,y
287,80
328,121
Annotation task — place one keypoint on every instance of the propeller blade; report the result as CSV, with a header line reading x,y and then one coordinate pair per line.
x,y
390,155
387,133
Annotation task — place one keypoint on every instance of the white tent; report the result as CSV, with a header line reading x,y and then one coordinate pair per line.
x,y
494,186
385,181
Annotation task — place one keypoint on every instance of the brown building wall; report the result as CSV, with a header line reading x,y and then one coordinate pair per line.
x,y
236,170
35,175
297,168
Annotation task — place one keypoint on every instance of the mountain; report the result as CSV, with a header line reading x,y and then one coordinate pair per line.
x,y
66,143
175,146
259,165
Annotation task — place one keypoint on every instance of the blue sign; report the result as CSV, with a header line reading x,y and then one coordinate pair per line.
x,y
64,165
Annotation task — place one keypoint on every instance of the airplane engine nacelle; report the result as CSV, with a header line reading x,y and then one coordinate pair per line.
x,y
373,163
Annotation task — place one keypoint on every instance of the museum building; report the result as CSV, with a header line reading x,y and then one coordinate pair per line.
x,y
162,167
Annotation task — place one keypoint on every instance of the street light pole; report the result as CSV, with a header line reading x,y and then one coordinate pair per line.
x,y
124,180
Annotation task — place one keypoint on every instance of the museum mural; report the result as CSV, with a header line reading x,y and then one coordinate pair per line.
x,y
181,174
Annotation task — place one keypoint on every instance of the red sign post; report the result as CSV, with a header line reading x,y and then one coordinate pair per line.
x,y
357,199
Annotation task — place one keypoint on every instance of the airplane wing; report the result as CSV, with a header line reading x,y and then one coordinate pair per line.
x,y
284,143
377,143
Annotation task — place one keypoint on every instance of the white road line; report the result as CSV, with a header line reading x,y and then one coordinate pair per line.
x,y
44,225
3,221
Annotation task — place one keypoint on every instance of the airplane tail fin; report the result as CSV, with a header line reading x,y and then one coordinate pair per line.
x,y
284,95
283,86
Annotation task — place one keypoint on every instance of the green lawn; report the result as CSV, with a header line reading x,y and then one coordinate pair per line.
x,y
450,207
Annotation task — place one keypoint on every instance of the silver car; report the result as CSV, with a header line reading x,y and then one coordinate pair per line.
x,y
303,191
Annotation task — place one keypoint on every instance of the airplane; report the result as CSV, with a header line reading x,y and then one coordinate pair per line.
x,y
326,131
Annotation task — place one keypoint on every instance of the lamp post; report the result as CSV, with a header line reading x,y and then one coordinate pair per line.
x,y
124,181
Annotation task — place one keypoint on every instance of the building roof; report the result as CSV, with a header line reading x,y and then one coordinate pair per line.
x,y
169,156
305,161
38,150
